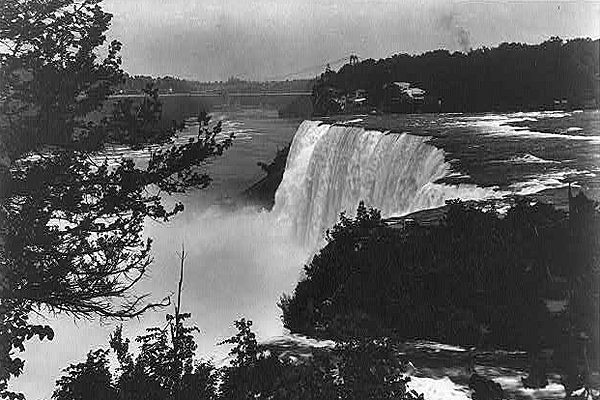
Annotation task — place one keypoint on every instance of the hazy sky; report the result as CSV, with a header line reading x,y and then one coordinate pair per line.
x,y
269,39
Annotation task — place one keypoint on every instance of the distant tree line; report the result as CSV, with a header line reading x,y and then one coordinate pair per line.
x,y
166,84
507,77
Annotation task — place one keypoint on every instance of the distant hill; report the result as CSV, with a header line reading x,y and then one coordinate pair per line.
x,y
511,76
167,84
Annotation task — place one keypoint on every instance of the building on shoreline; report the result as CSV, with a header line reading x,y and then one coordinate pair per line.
x,y
402,97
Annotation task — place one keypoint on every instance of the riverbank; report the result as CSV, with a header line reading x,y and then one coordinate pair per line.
x,y
442,372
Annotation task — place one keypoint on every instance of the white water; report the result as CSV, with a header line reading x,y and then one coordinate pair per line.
x,y
241,261
332,168
527,159
438,389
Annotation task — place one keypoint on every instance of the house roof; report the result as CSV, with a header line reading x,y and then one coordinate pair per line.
x,y
402,85
415,92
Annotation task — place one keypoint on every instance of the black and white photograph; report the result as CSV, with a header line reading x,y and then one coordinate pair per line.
x,y
299,200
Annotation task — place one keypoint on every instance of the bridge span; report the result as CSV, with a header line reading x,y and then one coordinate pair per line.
x,y
216,94
190,102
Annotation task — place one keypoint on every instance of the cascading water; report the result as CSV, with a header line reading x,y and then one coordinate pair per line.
x,y
331,168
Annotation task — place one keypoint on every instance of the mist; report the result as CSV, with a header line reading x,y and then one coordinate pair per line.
x,y
238,264
449,23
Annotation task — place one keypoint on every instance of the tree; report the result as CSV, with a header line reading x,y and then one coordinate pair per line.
x,y
51,74
355,369
370,369
256,372
149,376
465,281
89,380
507,77
330,273
324,94
252,372
70,223
164,367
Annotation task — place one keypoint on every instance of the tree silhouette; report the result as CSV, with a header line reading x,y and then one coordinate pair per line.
x,y
466,281
165,366
358,368
510,76
70,222
89,380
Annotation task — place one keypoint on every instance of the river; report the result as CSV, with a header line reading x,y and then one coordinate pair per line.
x,y
240,260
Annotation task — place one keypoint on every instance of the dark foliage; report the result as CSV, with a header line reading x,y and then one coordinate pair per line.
x,y
90,380
51,76
355,369
468,281
325,91
165,366
252,373
370,369
15,329
485,389
71,223
507,77
158,372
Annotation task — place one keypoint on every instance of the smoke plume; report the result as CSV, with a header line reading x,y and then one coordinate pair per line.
x,y
459,33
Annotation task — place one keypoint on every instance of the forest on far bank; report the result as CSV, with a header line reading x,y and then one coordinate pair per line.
x,y
511,76
135,84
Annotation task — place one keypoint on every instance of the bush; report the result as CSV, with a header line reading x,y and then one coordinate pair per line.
x,y
355,369
467,281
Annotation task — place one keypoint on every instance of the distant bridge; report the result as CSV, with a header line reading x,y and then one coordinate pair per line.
x,y
175,103
351,59
216,94
224,98
233,98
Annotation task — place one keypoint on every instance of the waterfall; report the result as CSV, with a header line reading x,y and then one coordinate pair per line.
x,y
331,168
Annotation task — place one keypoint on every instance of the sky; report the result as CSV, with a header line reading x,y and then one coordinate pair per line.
x,y
273,39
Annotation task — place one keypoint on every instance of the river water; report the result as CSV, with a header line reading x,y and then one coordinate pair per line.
x,y
240,260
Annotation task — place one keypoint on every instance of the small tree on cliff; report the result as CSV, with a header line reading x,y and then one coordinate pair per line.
x,y
70,226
